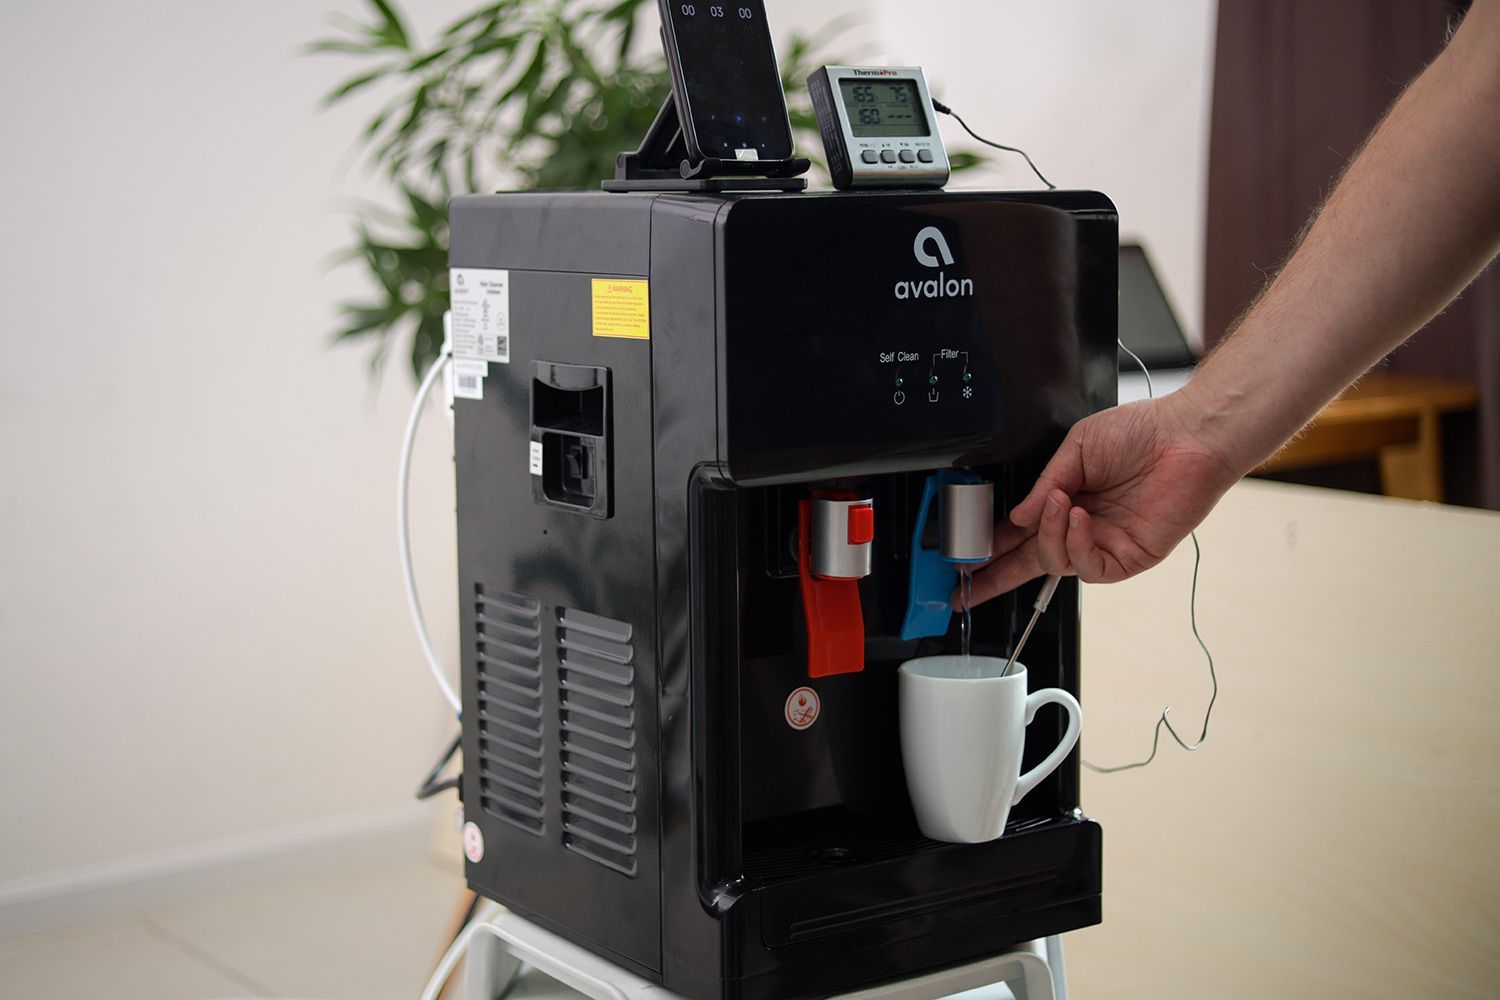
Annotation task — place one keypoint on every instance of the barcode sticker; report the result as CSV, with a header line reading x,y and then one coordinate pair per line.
x,y
480,302
468,378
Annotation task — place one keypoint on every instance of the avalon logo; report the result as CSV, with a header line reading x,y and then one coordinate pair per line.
x,y
928,239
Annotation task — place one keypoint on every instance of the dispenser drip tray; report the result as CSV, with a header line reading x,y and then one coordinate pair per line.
x,y
774,853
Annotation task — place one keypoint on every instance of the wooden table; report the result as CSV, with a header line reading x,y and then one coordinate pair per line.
x,y
1393,418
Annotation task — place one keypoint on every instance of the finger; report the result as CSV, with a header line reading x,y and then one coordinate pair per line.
x,y
1123,551
1089,561
1063,472
1052,535
1008,538
1003,575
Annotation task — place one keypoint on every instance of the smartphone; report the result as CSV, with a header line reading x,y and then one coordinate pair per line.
x,y
725,80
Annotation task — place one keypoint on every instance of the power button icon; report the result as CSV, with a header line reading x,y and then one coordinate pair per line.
x,y
899,397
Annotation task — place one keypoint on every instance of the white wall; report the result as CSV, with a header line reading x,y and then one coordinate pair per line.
x,y
1104,94
203,643
202,634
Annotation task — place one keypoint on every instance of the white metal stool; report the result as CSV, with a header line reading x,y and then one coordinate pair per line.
x,y
499,944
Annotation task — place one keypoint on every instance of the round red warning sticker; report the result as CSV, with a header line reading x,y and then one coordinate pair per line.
x,y
802,707
473,843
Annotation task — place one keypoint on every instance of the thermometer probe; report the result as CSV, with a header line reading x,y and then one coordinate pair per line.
x,y
1042,600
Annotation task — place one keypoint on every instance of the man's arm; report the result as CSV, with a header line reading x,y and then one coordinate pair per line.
x,y
1413,219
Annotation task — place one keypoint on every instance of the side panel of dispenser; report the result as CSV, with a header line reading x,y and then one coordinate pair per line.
x,y
557,616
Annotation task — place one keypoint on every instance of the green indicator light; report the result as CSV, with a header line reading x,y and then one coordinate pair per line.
x,y
900,381
932,380
967,377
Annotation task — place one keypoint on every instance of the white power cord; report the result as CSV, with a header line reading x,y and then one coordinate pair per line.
x,y
458,949
403,532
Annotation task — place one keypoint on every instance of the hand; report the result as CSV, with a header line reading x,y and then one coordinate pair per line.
x,y
1126,486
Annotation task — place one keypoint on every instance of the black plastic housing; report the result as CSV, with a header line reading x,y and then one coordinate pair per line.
x,y
624,676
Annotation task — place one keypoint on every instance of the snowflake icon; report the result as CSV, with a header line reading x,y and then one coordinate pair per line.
x,y
968,392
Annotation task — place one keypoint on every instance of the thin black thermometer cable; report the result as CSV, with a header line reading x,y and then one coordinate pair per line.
x,y
942,108
1165,721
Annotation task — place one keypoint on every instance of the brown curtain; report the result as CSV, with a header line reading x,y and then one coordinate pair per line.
x,y
1297,86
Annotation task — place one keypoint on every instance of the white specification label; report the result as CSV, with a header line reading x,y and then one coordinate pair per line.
x,y
536,458
468,378
481,313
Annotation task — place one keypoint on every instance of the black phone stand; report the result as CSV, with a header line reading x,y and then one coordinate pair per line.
x,y
662,164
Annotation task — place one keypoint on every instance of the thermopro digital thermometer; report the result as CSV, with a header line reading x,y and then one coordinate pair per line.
x,y
878,127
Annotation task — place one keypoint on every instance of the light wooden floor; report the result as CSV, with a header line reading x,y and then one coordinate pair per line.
x,y
371,934
368,934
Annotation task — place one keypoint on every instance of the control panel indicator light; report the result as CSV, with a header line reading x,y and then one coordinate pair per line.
x,y
968,377
932,380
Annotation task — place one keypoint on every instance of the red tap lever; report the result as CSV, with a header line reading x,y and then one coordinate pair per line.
x,y
834,535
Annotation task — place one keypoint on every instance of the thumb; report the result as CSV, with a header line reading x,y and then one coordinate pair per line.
x,y
1064,472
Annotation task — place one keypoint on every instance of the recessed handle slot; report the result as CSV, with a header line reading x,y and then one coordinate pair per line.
x,y
570,420
572,398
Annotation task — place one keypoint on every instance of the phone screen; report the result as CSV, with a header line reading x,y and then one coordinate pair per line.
x,y
728,64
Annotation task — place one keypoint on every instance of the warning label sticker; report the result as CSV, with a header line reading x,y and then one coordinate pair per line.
x,y
481,313
802,708
622,308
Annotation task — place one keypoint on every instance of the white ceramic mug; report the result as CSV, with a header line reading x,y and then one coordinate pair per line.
x,y
963,727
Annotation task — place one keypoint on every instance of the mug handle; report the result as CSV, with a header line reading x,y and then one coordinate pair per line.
x,y
1034,701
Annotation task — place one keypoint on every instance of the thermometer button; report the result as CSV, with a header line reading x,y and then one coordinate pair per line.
x,y
888,156
870,156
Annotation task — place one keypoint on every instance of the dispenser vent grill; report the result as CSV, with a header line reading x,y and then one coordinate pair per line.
x,y
596,712
508,655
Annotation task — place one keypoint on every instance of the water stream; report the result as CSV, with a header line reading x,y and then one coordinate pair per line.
x,y
966,623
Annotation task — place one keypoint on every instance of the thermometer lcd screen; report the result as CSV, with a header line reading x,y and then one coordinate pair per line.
x,y
884,108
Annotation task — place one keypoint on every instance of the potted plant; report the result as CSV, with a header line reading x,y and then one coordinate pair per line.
x,y
537,93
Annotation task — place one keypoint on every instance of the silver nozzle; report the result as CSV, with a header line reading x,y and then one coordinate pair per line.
x,y
842,531
968,516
